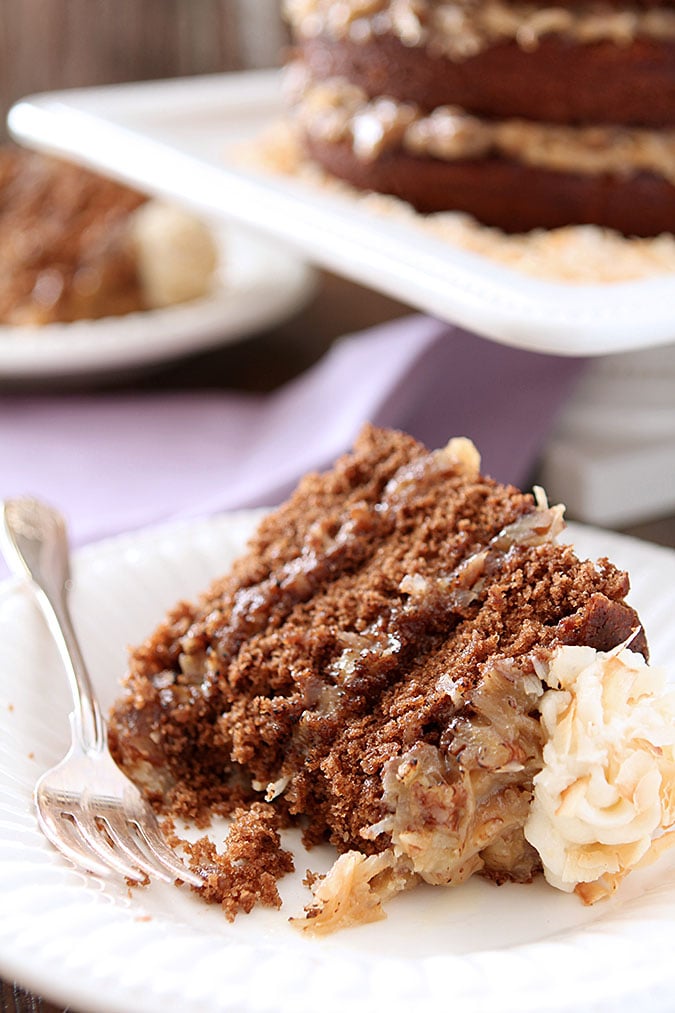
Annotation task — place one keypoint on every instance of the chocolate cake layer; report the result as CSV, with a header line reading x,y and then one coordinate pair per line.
x,y
507,194
558,81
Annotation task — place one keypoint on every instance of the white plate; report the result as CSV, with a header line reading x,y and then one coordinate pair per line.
x,y
176,138
157,950
257,286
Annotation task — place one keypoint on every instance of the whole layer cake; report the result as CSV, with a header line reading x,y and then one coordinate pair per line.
x,y
407,664
521,114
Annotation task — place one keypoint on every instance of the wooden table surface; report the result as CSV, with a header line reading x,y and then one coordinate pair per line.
x,y
262,363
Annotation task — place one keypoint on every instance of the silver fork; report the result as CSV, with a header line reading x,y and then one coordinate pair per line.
x,y
86,806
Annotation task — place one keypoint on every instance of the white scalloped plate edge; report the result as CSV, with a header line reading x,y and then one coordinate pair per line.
x,y
99,948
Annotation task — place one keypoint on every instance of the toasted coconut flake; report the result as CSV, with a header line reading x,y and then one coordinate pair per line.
x,y
353,892
464,455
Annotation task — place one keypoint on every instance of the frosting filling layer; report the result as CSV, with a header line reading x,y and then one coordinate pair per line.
x,y
336,111
463,28
603,789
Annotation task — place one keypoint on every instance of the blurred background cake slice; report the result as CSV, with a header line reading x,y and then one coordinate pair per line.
x,y
75,245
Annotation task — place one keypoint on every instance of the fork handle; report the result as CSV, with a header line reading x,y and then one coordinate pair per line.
x,y
35,544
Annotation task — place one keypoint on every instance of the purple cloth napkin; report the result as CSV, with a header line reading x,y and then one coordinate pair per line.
x,y
115,462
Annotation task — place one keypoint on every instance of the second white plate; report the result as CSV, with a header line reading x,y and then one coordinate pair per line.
x,y
257,285
175,138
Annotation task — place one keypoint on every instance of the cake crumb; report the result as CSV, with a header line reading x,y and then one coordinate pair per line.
x,y
245,873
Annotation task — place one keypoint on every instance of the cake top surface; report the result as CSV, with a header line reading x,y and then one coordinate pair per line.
x,y
462,28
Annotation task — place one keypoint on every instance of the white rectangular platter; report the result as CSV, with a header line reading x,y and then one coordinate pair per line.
x,y
175,139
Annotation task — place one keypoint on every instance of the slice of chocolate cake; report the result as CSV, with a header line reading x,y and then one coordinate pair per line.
x,y
389,666
75,245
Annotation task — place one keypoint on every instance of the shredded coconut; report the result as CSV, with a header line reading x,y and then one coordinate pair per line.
x,y
353,892
335,110
459,29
